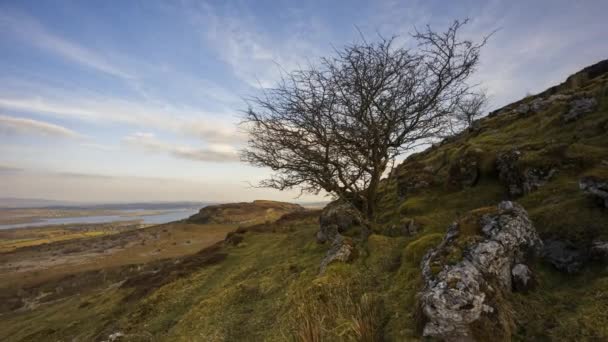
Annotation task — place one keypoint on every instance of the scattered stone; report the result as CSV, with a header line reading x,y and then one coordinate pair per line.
x,y
342,249
522,279
563,255
578,108
456,295
595,187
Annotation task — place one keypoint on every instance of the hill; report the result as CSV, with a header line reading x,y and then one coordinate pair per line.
x,y
244,213
498,233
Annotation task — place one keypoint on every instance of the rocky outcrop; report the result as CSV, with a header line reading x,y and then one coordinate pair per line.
x,y
535,106
464,172
336,218
578,108
342,250
595,187
413,179
468,273
518,180
563,255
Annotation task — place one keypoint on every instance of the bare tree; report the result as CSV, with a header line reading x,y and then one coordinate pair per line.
x,y
469,109
336,126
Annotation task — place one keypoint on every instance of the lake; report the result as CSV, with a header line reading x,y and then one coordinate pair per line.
x,y
164,217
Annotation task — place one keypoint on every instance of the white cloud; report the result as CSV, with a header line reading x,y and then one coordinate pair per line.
x,y
16,125
214,152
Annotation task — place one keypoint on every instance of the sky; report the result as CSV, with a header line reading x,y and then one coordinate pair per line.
x,y
105,101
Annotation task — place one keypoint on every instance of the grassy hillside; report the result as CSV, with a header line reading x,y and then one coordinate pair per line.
x,y
263,282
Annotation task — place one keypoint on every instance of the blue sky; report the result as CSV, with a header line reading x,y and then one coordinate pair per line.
x,y
139,100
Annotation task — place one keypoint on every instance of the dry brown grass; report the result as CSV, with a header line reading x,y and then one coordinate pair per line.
x,y
334,313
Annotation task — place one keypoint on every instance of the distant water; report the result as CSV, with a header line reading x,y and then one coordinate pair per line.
x,y
166,216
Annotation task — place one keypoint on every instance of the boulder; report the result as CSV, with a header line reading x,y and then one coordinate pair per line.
x,y
597,188
465,291
563,255
518,180
535,106
578,108
337,217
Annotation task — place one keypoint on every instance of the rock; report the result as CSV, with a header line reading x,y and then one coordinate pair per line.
x,y
595,187
563,256
508,172
342,249
413,177
460,293
578,108
464,173
117,336
520,182
522,109
558,98
522,279
337,217
535,106
599,250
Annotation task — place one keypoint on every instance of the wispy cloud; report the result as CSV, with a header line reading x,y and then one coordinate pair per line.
x,y
32,32
16,125
256,58
214,153
186,121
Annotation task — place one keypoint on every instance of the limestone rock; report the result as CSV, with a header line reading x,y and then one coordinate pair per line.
x,y
595,187
535,106
464,172
342,249
337,217
578,108
457,294
563,255
520,182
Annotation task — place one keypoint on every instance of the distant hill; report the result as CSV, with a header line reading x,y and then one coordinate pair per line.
x,y
244,213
